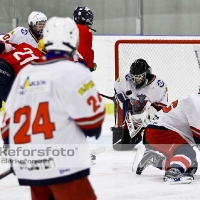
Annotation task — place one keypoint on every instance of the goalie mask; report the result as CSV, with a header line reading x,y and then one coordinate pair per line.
x,y
36,22
61,34
83,15
138,72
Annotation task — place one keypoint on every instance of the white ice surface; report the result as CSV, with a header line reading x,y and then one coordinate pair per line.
x,y
112,178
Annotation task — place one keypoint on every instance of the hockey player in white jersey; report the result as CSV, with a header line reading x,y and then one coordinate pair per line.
x,y
174,131
36,22
54,105
133,90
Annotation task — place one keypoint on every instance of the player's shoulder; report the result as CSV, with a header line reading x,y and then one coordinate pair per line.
x,y
83,29
25,47
77,71
125,76
79,68
70,72
191,97
65,67
190,103
20,30
155,80
24,44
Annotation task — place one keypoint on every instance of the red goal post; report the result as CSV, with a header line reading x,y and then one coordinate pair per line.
x,y
174,59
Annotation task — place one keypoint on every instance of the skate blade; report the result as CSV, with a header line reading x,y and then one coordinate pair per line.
x,y
181,180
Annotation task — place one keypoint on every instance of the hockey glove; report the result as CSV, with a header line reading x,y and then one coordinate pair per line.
x,y
94,67
138,105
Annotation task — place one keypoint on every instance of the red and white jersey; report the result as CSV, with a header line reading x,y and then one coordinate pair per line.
x,y
51,105
21,56
182,116
156,90
20,35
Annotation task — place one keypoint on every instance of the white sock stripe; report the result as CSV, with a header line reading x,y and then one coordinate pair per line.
x,y
185,157
178,163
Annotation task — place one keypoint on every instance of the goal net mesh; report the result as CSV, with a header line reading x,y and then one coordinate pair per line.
x,y
174,61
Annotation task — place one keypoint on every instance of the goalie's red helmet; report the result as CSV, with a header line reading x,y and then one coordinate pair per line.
x,y
83,15
139,71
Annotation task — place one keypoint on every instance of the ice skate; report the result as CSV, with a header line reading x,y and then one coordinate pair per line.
x,y
174,176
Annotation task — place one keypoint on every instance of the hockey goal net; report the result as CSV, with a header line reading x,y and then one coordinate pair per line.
x,y
176,61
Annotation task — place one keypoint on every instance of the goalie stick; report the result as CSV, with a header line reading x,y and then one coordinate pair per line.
x,y
115,105
129,92
6,173
111,98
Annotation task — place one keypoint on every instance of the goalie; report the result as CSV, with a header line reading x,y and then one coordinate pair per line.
x,y
139,94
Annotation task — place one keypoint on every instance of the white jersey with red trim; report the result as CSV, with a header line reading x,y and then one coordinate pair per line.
x,y
183,117
52,104
156,89
20,35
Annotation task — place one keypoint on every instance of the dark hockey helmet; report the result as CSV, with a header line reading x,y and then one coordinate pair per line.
x,y
139,71
83,15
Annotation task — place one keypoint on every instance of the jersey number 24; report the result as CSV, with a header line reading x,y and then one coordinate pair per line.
x,y
42,115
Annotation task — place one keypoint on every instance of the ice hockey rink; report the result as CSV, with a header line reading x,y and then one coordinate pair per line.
x,y
113,179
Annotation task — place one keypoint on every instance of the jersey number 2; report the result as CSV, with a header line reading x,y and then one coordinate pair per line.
x,y
19,56
94,102
41,123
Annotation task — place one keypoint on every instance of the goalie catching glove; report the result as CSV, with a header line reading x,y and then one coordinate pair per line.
x,y
138,105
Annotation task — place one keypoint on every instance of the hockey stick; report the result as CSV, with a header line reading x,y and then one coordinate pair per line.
x,y
111,98
115,106
6,173
129,92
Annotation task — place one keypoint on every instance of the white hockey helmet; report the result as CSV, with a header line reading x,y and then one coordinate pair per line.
x,y
34,18
61,34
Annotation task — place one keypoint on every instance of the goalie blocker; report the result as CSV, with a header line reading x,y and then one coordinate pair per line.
x,y
122,140
121,136
136,116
